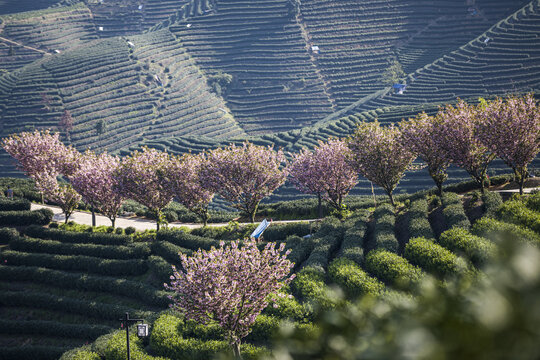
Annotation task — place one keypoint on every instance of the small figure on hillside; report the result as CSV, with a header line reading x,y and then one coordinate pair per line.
x,y
9,192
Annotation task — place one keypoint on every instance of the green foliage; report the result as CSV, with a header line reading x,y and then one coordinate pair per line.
x,y
52,329
86,282
453,211
491,316
352,246
309,285
31,352
279,232
393,73
7,235
494,229
301,248
287,307
169,251
41,300
25,217
418,220
103,251
186,240
433,258
167,340
22,188
393,269
385,221
76,263
81,355
516,212
77,237
117,347
533,202
14,204
354,281
475,248
492,201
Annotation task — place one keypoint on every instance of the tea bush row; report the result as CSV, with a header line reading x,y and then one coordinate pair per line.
x,y
86,282
88,264
135,251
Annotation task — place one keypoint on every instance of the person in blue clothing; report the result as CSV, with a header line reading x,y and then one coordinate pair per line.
x,y
9,192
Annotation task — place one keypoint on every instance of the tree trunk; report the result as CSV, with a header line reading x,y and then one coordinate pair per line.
x,y
236,350
205,217
319,208
158,219
113,221
254,212
439,188
522,173
66,218
93,217
391,196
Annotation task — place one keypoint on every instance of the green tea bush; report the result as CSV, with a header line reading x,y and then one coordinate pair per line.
x,y
41,300
491,203
169,252
516,212
453,211
287,307
52,329
160,268
117,348
433,258
25,217
165,340
309,285
533,202
279,232
134,251
383,232
186,240
31,352
393,269
7,235
89,264
80,354
300,248
475,248
354,281
352,246
418,220
493,229
15,204
76,237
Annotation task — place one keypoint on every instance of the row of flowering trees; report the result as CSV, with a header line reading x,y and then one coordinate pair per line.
x,y
468,136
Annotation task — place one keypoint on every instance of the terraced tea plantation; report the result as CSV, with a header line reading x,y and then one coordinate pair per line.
x,y
191,75
64,289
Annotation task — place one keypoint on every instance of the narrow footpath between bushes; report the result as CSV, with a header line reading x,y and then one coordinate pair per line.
x,y
85,218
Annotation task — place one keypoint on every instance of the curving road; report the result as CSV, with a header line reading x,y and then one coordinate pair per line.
x,y
85,218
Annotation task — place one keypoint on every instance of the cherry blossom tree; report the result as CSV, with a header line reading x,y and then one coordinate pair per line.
x,y
184,177
458,138
511,130
43,157
95,180
62,194
326,172
380,155
38,151
420,134
244,175
141,177
230,285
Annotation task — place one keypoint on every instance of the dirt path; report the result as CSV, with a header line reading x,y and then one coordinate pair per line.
x,y
24,46
85,218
